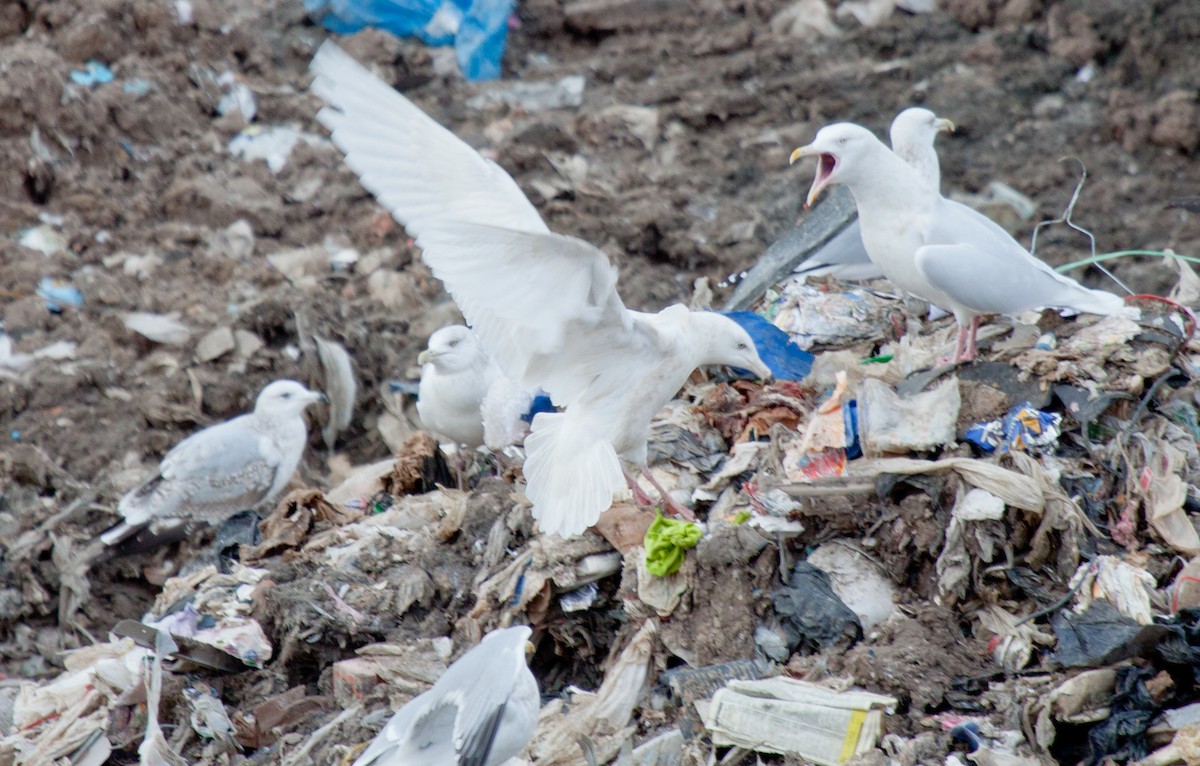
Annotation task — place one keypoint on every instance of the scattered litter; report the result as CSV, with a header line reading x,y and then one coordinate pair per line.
x,y
238,98
10,360
580,598
789,717
892,424
160,328
44,238
566,93
813,316
858,581
272,144
775,347
1023,428
810,616
215,344
137,87
93,73
214,609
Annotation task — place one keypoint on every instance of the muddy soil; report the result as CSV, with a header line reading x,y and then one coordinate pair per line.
x,y
675,164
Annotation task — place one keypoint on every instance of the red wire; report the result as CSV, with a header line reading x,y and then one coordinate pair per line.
x,y
1191,318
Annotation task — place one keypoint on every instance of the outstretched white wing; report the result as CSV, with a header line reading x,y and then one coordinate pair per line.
x,y
417,169
544,306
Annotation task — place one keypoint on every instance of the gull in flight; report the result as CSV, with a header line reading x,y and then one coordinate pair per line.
x,y
544,306
937,249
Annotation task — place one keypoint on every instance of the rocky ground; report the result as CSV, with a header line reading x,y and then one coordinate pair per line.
x,y
674,162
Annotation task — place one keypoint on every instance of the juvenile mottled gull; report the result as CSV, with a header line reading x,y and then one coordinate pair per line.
x,y
544,306
939,250
229,467
912,133
464,397
481,712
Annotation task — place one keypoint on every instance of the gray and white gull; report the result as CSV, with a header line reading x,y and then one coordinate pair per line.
x,y
226,468
481,712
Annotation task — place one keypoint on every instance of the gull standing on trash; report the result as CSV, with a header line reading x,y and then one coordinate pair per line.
x,y
481,712
464,397
229,467
939,250
913,133
543,305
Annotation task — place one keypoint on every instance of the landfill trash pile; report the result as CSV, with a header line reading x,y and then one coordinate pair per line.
x,y
893,560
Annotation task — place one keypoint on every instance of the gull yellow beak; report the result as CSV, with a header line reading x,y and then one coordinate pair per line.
x,y
529,649
803,151
425,357
945,125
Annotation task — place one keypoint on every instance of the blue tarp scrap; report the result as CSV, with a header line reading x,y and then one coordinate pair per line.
x,y
476,28
786,360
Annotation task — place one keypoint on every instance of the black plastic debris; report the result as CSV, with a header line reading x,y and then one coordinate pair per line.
x,y
1101,635
238,530
1122,736
811,615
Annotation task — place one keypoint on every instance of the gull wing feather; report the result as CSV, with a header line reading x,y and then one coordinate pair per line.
x,y
417,169
220,450
978,264
544,305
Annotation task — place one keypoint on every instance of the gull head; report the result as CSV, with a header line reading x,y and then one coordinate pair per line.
x,y
285,397
513,641
843,151
451,349
917,127
723,341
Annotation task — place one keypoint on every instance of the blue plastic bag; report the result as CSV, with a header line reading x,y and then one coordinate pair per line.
x,y
476,28
786,360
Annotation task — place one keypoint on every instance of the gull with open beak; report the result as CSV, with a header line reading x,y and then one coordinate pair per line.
x,y
913,133
937,249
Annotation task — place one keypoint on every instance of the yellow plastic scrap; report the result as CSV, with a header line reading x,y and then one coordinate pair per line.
x,y
665,542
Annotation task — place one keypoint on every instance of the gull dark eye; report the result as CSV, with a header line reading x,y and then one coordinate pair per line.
x,y
742,347
453,343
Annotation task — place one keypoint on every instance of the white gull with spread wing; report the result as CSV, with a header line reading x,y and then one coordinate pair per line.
x,y
544,306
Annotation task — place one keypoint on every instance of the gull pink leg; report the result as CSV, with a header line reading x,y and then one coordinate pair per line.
x,y
970,355
959,345
668,503
639,495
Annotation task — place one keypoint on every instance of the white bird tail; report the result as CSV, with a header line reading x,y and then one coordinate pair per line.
x,y
1091,301
571,473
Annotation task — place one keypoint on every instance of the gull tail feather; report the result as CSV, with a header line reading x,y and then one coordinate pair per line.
x,y
571,473
1092,301
137,507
